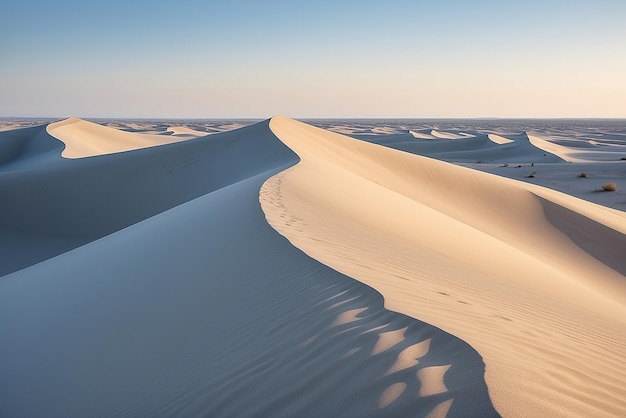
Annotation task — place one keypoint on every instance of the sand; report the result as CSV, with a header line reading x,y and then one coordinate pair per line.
x,y
531,278
86,139
280,269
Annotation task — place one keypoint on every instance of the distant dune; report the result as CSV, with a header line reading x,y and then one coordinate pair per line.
x,y
280,269
87,139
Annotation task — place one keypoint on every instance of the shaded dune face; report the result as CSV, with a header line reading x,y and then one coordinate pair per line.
x,y
196,306
19,148
53,204
481,147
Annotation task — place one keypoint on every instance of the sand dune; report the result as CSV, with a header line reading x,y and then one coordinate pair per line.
x,y
186,132
198,307
533,279
480,147
421,135
597,151
499,139
222,321
446,135
145,277
86,139
88,198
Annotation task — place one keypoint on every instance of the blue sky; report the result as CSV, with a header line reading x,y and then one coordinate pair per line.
x,y
548,58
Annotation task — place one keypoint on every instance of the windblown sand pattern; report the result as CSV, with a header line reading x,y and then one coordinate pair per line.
x,y
145,271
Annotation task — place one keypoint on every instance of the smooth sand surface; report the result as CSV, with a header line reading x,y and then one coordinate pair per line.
x,y
86,139
185,132
145,277
52,204
530,277
190,304
573,157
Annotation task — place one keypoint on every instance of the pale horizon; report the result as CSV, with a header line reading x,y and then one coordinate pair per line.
x,y
322,60
317,118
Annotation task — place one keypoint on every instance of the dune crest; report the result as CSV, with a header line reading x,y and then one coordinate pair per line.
x,y
498,139
531,278
176,298
147,281
87,139
182,131
447,135
74,201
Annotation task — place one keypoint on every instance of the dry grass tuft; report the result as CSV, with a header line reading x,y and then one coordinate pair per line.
x,y
609,187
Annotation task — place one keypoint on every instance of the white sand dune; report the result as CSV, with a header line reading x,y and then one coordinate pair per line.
x,y
185,132
53,204
86,139
447,135
478,148
385,130
193,305
499,139
581,153
532,278
421,134
145,280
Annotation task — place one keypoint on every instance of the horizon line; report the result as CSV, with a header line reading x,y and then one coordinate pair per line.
x,y
156,118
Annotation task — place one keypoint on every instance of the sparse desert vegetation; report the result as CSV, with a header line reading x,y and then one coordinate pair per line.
x,y
609,187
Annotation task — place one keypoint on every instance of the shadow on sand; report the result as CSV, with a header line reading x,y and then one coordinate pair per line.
x,y
204,309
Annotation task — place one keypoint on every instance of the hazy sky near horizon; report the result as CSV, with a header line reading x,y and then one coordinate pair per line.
x,y
397,58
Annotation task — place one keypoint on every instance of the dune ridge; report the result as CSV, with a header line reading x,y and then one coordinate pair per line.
x,y
141,277
178,299
86,139
73,201
531,278
468,148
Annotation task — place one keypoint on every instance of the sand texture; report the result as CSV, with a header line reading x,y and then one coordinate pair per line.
x,y
530,277
281,269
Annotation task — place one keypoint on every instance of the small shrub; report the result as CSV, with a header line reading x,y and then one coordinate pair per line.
x,y
582,175
609,187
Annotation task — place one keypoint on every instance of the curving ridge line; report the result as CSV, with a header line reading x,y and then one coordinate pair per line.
x,y
192,305
73,201
87,139
531,278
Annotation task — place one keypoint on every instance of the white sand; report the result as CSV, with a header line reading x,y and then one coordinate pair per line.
x,y
531,278
52,204
86,139
553,159
199,308
182,131
144,280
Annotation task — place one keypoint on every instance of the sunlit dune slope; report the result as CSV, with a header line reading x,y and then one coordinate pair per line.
x,y
492,148
86,139
532,278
